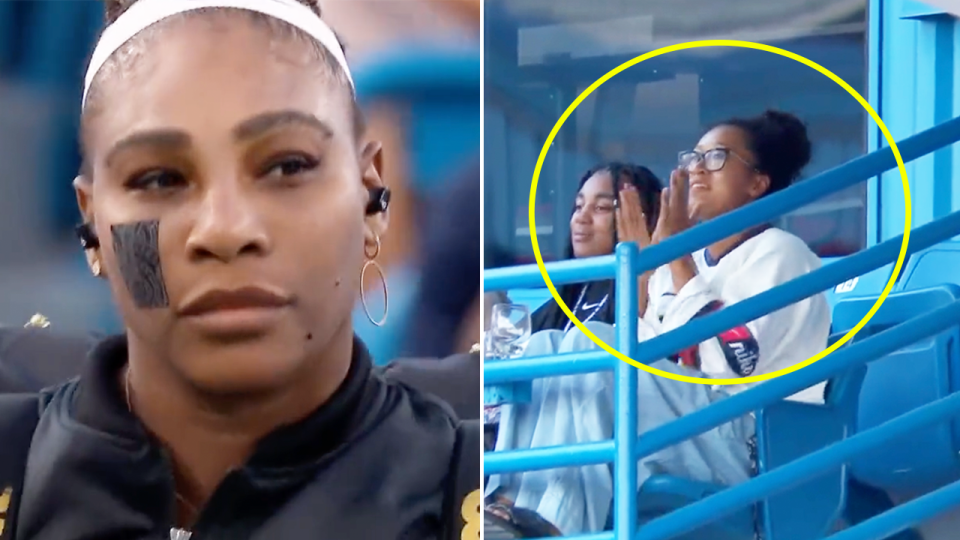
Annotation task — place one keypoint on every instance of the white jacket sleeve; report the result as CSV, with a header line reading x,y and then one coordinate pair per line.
x,y
752,348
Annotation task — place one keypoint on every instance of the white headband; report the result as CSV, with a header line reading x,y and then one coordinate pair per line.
x,y
146,13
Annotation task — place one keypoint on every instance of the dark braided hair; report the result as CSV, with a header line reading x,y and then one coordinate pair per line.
x,y
648,187
780,144
280,29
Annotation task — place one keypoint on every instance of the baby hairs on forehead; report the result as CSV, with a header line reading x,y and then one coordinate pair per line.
x,y
125,56
647,184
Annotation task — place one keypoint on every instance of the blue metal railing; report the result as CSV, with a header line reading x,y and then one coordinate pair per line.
x,y
904,516
625,449
709,326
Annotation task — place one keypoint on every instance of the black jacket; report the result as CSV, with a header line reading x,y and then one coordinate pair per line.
x,y
454,379
379,460
35,358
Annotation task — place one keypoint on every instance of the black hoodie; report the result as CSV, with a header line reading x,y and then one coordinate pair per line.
x,y
378,460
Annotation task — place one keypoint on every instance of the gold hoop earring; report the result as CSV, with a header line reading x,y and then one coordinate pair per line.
x,y
371,262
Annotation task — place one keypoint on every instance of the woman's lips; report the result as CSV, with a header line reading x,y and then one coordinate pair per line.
x,y
243,311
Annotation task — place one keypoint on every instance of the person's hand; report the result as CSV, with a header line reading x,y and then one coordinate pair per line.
x,y
503,519
632,227
674,219
674,212
631,221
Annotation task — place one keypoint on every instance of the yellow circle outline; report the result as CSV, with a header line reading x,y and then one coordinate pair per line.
x,y
721,43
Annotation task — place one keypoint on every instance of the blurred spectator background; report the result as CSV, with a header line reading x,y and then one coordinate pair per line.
x,y
417,67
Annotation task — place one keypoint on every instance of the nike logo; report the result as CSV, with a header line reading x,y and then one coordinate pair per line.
x,y
591,306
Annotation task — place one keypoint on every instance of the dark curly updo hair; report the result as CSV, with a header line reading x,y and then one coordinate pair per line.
x,y
780,144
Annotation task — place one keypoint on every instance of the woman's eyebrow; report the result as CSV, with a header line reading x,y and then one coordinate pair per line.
x,y
258,125
165,138
177,139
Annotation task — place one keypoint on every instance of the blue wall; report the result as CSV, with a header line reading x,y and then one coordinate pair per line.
x,y
914,70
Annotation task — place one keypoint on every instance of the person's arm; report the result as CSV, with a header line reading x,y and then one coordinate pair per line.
x,y
682,271
737,352
643,292
659,293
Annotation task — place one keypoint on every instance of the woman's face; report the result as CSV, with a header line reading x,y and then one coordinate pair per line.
x,y
733,183
235,155
592,223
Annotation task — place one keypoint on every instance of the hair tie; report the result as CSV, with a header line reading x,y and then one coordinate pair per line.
x,y
146,13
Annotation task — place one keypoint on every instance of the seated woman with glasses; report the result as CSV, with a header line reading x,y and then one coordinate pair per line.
x,y
735,163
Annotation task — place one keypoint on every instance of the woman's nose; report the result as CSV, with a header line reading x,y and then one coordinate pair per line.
x,y
227,226
583,215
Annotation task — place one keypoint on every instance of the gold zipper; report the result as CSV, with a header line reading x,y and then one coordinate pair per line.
x,y
4,507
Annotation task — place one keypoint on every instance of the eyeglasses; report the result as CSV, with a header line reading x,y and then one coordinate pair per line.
x,y
713,160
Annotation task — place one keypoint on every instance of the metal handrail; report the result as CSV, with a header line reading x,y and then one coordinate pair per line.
x,y
725,502
708,326
735,406
763,211
905,515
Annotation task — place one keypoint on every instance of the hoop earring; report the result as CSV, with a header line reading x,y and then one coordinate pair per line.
x,y
371,262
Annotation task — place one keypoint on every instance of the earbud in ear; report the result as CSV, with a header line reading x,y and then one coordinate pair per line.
x,y
379,200
88,238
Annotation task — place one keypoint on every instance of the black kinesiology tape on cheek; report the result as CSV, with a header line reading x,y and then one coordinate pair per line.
x,y
137,248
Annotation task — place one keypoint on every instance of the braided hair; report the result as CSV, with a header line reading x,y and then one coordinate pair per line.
x,y
550,316
129,53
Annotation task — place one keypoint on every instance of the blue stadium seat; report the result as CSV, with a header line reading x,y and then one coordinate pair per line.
x,y
786,431
869,284
909,378
931,267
